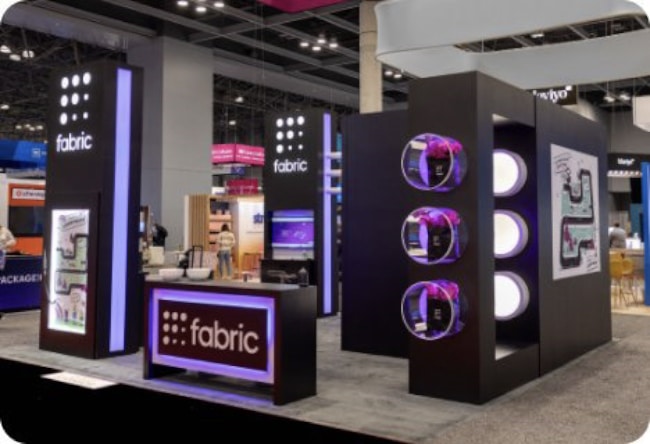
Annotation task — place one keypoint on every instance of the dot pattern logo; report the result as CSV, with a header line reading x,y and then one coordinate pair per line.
x,y
74,98
174,328
289,134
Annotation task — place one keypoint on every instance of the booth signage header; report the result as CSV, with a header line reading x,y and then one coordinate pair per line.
x,y
237,153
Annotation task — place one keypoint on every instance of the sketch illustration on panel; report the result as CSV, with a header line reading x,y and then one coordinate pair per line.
x,y
576,238
69,271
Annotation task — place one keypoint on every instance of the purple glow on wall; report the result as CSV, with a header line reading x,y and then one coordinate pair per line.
x,y
120,208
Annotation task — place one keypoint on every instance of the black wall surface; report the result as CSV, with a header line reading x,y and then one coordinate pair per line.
x,y
575,313
86,179
303,190
375,267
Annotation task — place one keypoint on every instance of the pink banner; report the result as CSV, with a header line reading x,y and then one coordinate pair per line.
x,y
242,186
299,5
237,153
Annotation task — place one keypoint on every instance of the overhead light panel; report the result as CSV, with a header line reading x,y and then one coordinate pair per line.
x,y
14,57
182,3
4,107
316,48
5,49
201,9
28,54
625,96
239,99
609,98
232,122
304,44
333,44
537,35
219,4
321,40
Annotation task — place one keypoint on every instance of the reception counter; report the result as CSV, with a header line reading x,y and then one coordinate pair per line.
x,y
20,283
264,333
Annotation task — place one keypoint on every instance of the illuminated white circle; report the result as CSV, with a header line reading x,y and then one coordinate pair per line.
x,y
279,135
76,80
166,340
74,117
300,133
87,78
279,149
290,121
183,318
290,135
300,147
85,116
510,234
279,123
511,295
174,315
174,328
75,99
166,315
509,171
165,328
63,118
65,82
86,97
290,147
64,101
301,120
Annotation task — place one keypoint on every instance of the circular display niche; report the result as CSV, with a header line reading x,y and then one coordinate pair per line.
x,y
511,295
434,235
510,234
509,171
434,163
432,310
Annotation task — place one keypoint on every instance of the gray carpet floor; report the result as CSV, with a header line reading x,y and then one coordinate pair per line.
x,y
602,397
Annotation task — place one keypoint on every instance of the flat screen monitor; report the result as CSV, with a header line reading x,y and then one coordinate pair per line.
x,y
292,234
26,221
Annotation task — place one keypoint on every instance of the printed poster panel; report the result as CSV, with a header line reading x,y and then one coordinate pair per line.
x,y
576,234
69,271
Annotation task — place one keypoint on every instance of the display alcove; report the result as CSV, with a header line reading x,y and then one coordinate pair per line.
x,y
434,235
432,162
433,310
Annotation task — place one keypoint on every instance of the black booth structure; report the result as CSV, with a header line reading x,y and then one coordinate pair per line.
x,y
91,302
514,284
300,222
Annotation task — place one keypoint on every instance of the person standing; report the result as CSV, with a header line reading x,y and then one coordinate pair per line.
x,y
225,243
617,236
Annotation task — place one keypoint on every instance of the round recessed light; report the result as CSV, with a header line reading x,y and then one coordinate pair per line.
x,y
510,234
87,78
511,295
509,172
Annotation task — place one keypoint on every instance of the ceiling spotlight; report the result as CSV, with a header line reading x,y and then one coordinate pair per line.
x,y
4,107
569,87
15,57
182,3
304,44
388,73
537,35
239,99
398,75
316,48
608,98
219,4
28,54
201,9
5,49
333,44
232,122
39,127
19,127
625,96
321,39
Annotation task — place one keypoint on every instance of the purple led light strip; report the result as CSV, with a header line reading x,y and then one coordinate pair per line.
x,y
326,256
120,208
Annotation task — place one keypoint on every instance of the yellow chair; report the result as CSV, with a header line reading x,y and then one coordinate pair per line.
x,y
618,291
629,278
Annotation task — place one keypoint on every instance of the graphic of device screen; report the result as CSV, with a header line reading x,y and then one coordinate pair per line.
x,y
292,234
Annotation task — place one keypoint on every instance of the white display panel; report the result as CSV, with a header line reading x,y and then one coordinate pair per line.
x,y
510,234
510,173
68,271
511,295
